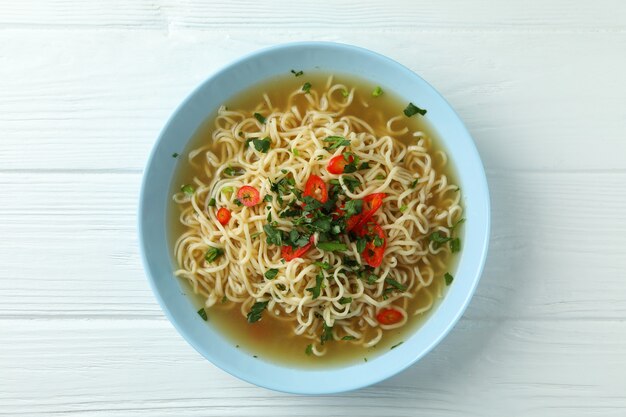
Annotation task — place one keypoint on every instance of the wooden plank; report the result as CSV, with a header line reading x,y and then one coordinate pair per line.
x,y
70,247
81,102
172,15
142,367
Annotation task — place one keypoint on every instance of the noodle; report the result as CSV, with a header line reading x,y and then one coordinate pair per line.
x,y
420,201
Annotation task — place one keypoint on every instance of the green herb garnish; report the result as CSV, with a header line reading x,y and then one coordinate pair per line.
x,y
213,253
345,300
395,284
317,289
336,142
348,338
231,172
414,183
271,273
332,246
412,109
361,243
297,73
202,313
262,145
345,92
268,198
378,241
260,117
379,177
353,207
295,152
256,311
255,235
226,190
212,202
309,350
327,333
351,182
187,189
306,87
449,278
175,155
403,208
377,92
323,265
274,236
396,345
439,238
281,287
455,245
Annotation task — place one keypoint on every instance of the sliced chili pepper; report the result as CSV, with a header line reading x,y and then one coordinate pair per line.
x,y
316,188
371,204
249,196
389,316
223,215
373,255
337,164
288,252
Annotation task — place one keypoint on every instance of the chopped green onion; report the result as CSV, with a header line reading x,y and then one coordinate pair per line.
x,y
455,245
187,189
377,92
345,300
295,152
348,338
213,253
403,208
395,284
449,278
336,142
332,246
202,313
255,235
306,87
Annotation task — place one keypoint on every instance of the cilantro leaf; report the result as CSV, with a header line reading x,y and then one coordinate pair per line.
x,y
345,300
336,142
327,333
317,289
274,236
449,278
259,117
271,273
262,145
202,313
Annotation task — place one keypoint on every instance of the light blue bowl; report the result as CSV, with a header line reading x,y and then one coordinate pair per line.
x,y
240,75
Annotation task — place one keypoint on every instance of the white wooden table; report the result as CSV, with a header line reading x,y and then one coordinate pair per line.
x,y
85,87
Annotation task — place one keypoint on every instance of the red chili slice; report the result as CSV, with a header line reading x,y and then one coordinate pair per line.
x,y
371,204
316,188
337,164
389,316
288,253
373,255
249,196
223,215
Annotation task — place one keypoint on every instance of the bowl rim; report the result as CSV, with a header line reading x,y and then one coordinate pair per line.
x,y
368,379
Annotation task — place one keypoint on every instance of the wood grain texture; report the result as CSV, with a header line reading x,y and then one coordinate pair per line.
x,y
523,97
85,87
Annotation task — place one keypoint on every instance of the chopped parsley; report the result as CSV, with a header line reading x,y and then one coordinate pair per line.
x,y
353,207
202,313
274,236
332,246
306,87
297,73
327,333
187,189
336,142
395,284
262,145
455,245
317,289
212,254
412,109
260,118
271,273
256,311
449,278
377,92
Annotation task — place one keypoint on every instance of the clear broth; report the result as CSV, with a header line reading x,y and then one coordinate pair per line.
x,y
272,339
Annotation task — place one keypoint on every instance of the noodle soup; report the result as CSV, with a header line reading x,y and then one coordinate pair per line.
x,y
315,220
